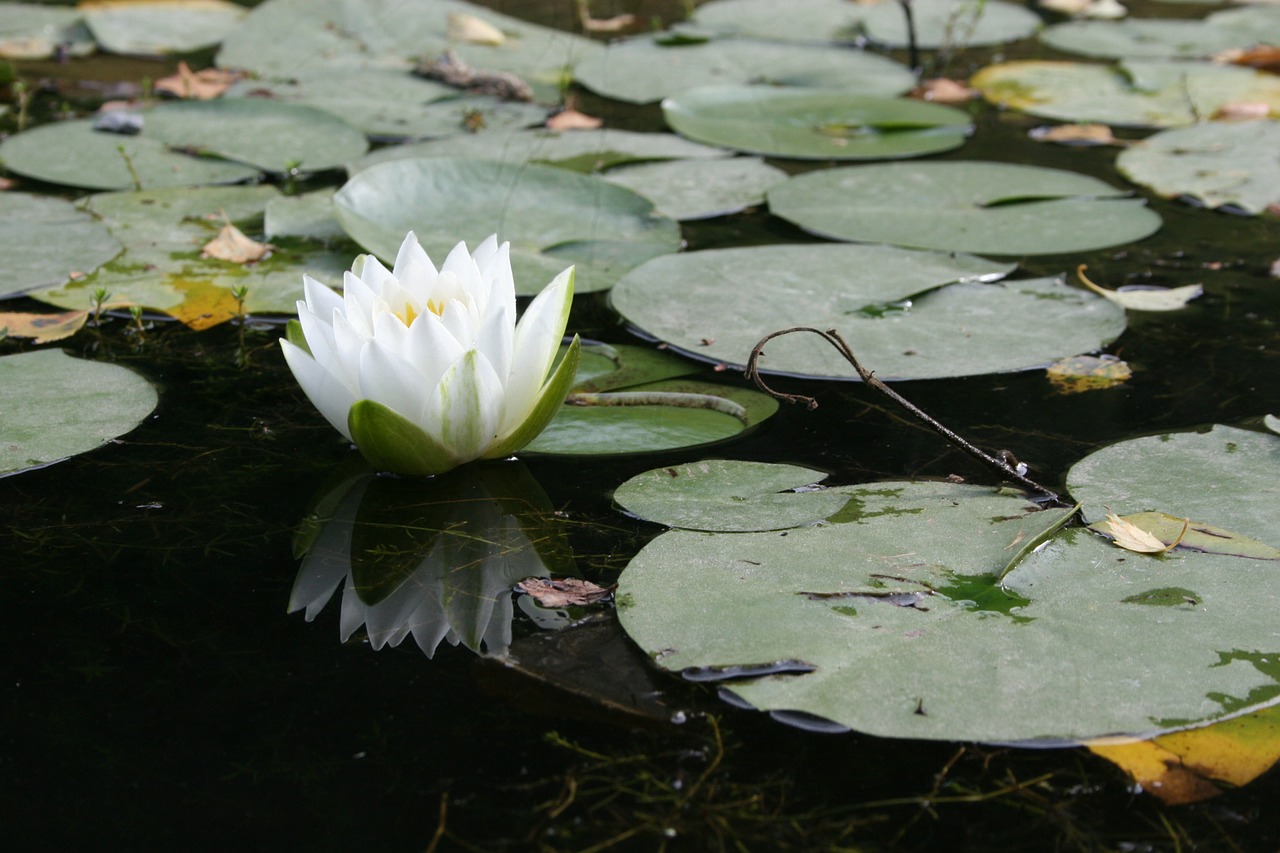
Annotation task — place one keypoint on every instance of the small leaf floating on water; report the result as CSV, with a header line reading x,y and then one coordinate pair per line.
x,y
1076,134
202,85
1131,537
571,119
564,592
232,245
469,28
1087,373
1145,298
944,90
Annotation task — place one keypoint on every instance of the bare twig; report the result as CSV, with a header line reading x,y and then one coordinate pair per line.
x,y
831,336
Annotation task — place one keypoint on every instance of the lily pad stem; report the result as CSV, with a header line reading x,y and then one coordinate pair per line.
x,y
831,336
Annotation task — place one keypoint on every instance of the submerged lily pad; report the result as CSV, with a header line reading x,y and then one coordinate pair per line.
x,y
161,267
552,217
854,614
949,23
58,406
907,314
281,37
992,208
160,26
1137,93
700,189
823,124
46,241
648,68
1219,163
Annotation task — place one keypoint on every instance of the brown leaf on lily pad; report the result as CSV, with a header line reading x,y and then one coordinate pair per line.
x,y
1265,57
573,120
1076,134
1170,531
943,90
1243,111
43,328
232,245
564,592
1131,537
203,85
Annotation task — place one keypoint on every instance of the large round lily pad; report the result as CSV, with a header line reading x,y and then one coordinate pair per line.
x,y
44,241
552,217
648,68
927,610
160,26
799,20
992,208
1219,163
820,124
58,406
951,23
1152,38
700,189
907,314
35,31
1136,93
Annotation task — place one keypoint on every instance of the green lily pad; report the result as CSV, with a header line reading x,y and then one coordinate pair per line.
x,y
59,406
928,610
161,267
281,37
309,215
821,124
580,150
552,217
153,27
729,496
991,208
1138,93
1155,38
700,189
35,31
1219,163
44,240
74,154
953,23
648,68
610,367
907,314
799,20
271,136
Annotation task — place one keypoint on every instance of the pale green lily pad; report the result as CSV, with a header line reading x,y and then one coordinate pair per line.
x,y
33,31
1184,533
700,189
991,208
580,150
74,154
798,20
821,124
152,27
553,218
1138,93
1219,163
652,417
649,68
58,406
161,268
907,314
44,240
310,215
1225,477
271,136
1155,38
610,367
951,23
1272,423
849,619
729,496
281,37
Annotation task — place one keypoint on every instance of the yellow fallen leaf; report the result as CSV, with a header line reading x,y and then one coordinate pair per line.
x,y
1131,537
1184,767
1146,298
232,245
473,30
204,305
43,328
1087,373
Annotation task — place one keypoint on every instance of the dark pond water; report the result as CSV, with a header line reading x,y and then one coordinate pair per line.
x,y
159,696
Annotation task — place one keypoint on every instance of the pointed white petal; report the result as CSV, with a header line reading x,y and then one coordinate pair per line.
x,y
347,343
465,407
359,303
327,392
392,381
537,339
431,349
321,298
370,270
390,332
496,339
462,321
411,252
319,335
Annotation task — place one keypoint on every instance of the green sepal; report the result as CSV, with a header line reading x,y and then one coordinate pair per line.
x,y
391,442
293,334
544,411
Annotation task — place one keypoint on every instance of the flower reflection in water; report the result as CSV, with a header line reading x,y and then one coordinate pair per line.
x,y
432,558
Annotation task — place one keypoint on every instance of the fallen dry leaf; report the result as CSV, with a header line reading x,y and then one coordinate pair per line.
x,y
573,120
1076,134
1243,111
565,592
1105,9
1131,537
1087,373
1145,298
202,85
43,328
1264,57
473,30
944,90
232,245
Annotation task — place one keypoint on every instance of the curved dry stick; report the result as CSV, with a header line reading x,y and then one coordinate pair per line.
x,y
832,337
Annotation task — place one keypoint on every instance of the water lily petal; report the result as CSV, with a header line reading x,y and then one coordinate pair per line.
x,y
347,344
370,270
392,381
327,392
360,303
321,298
467,405
496,339
318,332
390,332
391,442
431,349
462,321
545,408
464,267
537,339
411,252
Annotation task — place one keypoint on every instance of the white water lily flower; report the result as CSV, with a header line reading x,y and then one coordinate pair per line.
x,y
426,369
